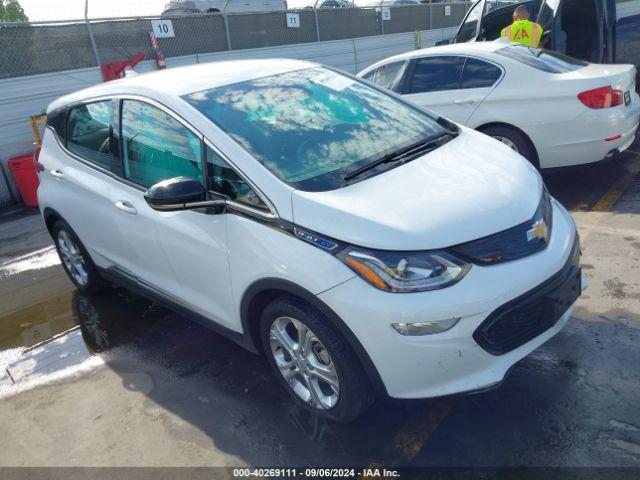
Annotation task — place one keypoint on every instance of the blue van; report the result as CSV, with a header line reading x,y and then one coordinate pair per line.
x,y
598,31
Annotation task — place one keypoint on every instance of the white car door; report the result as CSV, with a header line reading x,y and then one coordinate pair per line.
x,y
453,86
196,244
87,170
192,266
145,135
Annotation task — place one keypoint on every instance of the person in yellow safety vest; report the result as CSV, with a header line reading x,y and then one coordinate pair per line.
x,y
522,30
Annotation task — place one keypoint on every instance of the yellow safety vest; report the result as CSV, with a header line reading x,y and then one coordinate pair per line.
x,y
523,31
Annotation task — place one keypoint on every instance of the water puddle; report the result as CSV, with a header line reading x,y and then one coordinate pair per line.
x,y
58,338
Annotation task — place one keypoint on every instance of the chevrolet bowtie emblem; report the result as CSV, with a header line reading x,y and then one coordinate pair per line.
x,y
539,230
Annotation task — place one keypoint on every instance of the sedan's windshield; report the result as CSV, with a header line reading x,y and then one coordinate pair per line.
x,y
311,126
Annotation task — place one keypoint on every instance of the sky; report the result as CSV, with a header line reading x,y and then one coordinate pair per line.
x,y
45,10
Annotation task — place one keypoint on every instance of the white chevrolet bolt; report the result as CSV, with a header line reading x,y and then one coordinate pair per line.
x,y
367,247
554,110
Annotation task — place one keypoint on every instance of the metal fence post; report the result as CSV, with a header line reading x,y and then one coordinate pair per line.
x,y
226,25
90,31
381,18
315,13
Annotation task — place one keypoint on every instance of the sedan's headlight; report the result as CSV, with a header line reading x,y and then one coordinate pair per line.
x,y
404,272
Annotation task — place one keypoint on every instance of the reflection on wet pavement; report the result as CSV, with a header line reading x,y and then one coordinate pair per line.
x,y
544,410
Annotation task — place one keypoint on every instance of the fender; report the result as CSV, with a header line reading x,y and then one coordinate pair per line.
x,y
261,292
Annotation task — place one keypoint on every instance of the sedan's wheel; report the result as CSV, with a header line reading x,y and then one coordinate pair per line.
x,y
304,362
508,142
313,361
75,259
513,139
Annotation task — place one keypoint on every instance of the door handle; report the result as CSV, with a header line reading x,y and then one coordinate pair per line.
x,y
464,101
126,207
57,173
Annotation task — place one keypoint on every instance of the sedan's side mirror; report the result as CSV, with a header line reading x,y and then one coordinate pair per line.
x,y
180,193
443,42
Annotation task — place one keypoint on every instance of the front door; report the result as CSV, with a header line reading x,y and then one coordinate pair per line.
x,y
155,146
469,28
574,27
192,264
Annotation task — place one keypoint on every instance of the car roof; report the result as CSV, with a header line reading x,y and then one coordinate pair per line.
x,y
471,48
181,81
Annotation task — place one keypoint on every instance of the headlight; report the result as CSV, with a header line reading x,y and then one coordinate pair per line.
x,y
404,272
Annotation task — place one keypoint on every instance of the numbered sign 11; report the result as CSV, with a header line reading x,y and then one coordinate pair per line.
x,y
293,20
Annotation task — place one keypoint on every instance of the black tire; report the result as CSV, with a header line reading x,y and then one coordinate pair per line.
x,y
93,283
355,392
520,141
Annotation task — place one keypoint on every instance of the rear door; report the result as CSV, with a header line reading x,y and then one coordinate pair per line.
x,y
437,82
82,176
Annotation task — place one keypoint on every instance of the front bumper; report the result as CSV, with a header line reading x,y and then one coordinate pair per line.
x,y
452,361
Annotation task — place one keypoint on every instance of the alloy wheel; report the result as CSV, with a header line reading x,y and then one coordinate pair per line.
x,y
304,363
508,142
72,258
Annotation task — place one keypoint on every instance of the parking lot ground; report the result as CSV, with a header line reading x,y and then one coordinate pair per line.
x,y
127,383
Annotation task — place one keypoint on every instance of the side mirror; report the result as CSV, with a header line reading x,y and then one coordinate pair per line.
x,y
179,193
443,42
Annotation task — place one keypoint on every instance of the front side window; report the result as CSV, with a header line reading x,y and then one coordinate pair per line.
x,y
387,76
435,74
156,146
479,74
90,134
224,180
540,59
310,127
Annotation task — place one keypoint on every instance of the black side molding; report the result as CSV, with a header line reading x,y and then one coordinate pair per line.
x,y
120,278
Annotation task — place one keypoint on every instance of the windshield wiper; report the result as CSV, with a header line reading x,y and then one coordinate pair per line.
x,y
402,154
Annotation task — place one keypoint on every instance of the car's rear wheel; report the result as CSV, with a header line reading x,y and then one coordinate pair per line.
x,y
313,361
75,259
513,139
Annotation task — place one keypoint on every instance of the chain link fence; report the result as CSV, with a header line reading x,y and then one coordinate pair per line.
x,y
28,48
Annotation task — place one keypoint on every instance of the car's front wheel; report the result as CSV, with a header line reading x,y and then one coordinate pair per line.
x,y
75,259
313,361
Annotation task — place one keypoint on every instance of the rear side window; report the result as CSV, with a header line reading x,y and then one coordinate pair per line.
x,y
388,76
479,74
436,73
90,135
156,146
540,59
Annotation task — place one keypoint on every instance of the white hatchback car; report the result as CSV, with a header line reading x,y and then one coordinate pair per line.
x,y
367,247
552,109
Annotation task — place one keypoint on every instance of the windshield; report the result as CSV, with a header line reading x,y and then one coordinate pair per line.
x,y
309,127
545,60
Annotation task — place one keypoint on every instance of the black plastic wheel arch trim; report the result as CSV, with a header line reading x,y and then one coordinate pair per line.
x,y
287,287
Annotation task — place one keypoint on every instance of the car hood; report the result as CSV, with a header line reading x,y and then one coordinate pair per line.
x,y
469,188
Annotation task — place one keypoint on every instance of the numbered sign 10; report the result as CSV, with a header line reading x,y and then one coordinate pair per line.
x,y
163,28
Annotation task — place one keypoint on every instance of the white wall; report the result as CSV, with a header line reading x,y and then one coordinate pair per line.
x,y
22,97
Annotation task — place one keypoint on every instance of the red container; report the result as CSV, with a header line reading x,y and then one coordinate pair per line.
x,y
24,173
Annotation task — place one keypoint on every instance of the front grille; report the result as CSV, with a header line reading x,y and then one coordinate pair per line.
x,y
524,318
514,243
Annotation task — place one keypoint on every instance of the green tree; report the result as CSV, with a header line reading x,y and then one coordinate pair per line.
x,y
11,11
